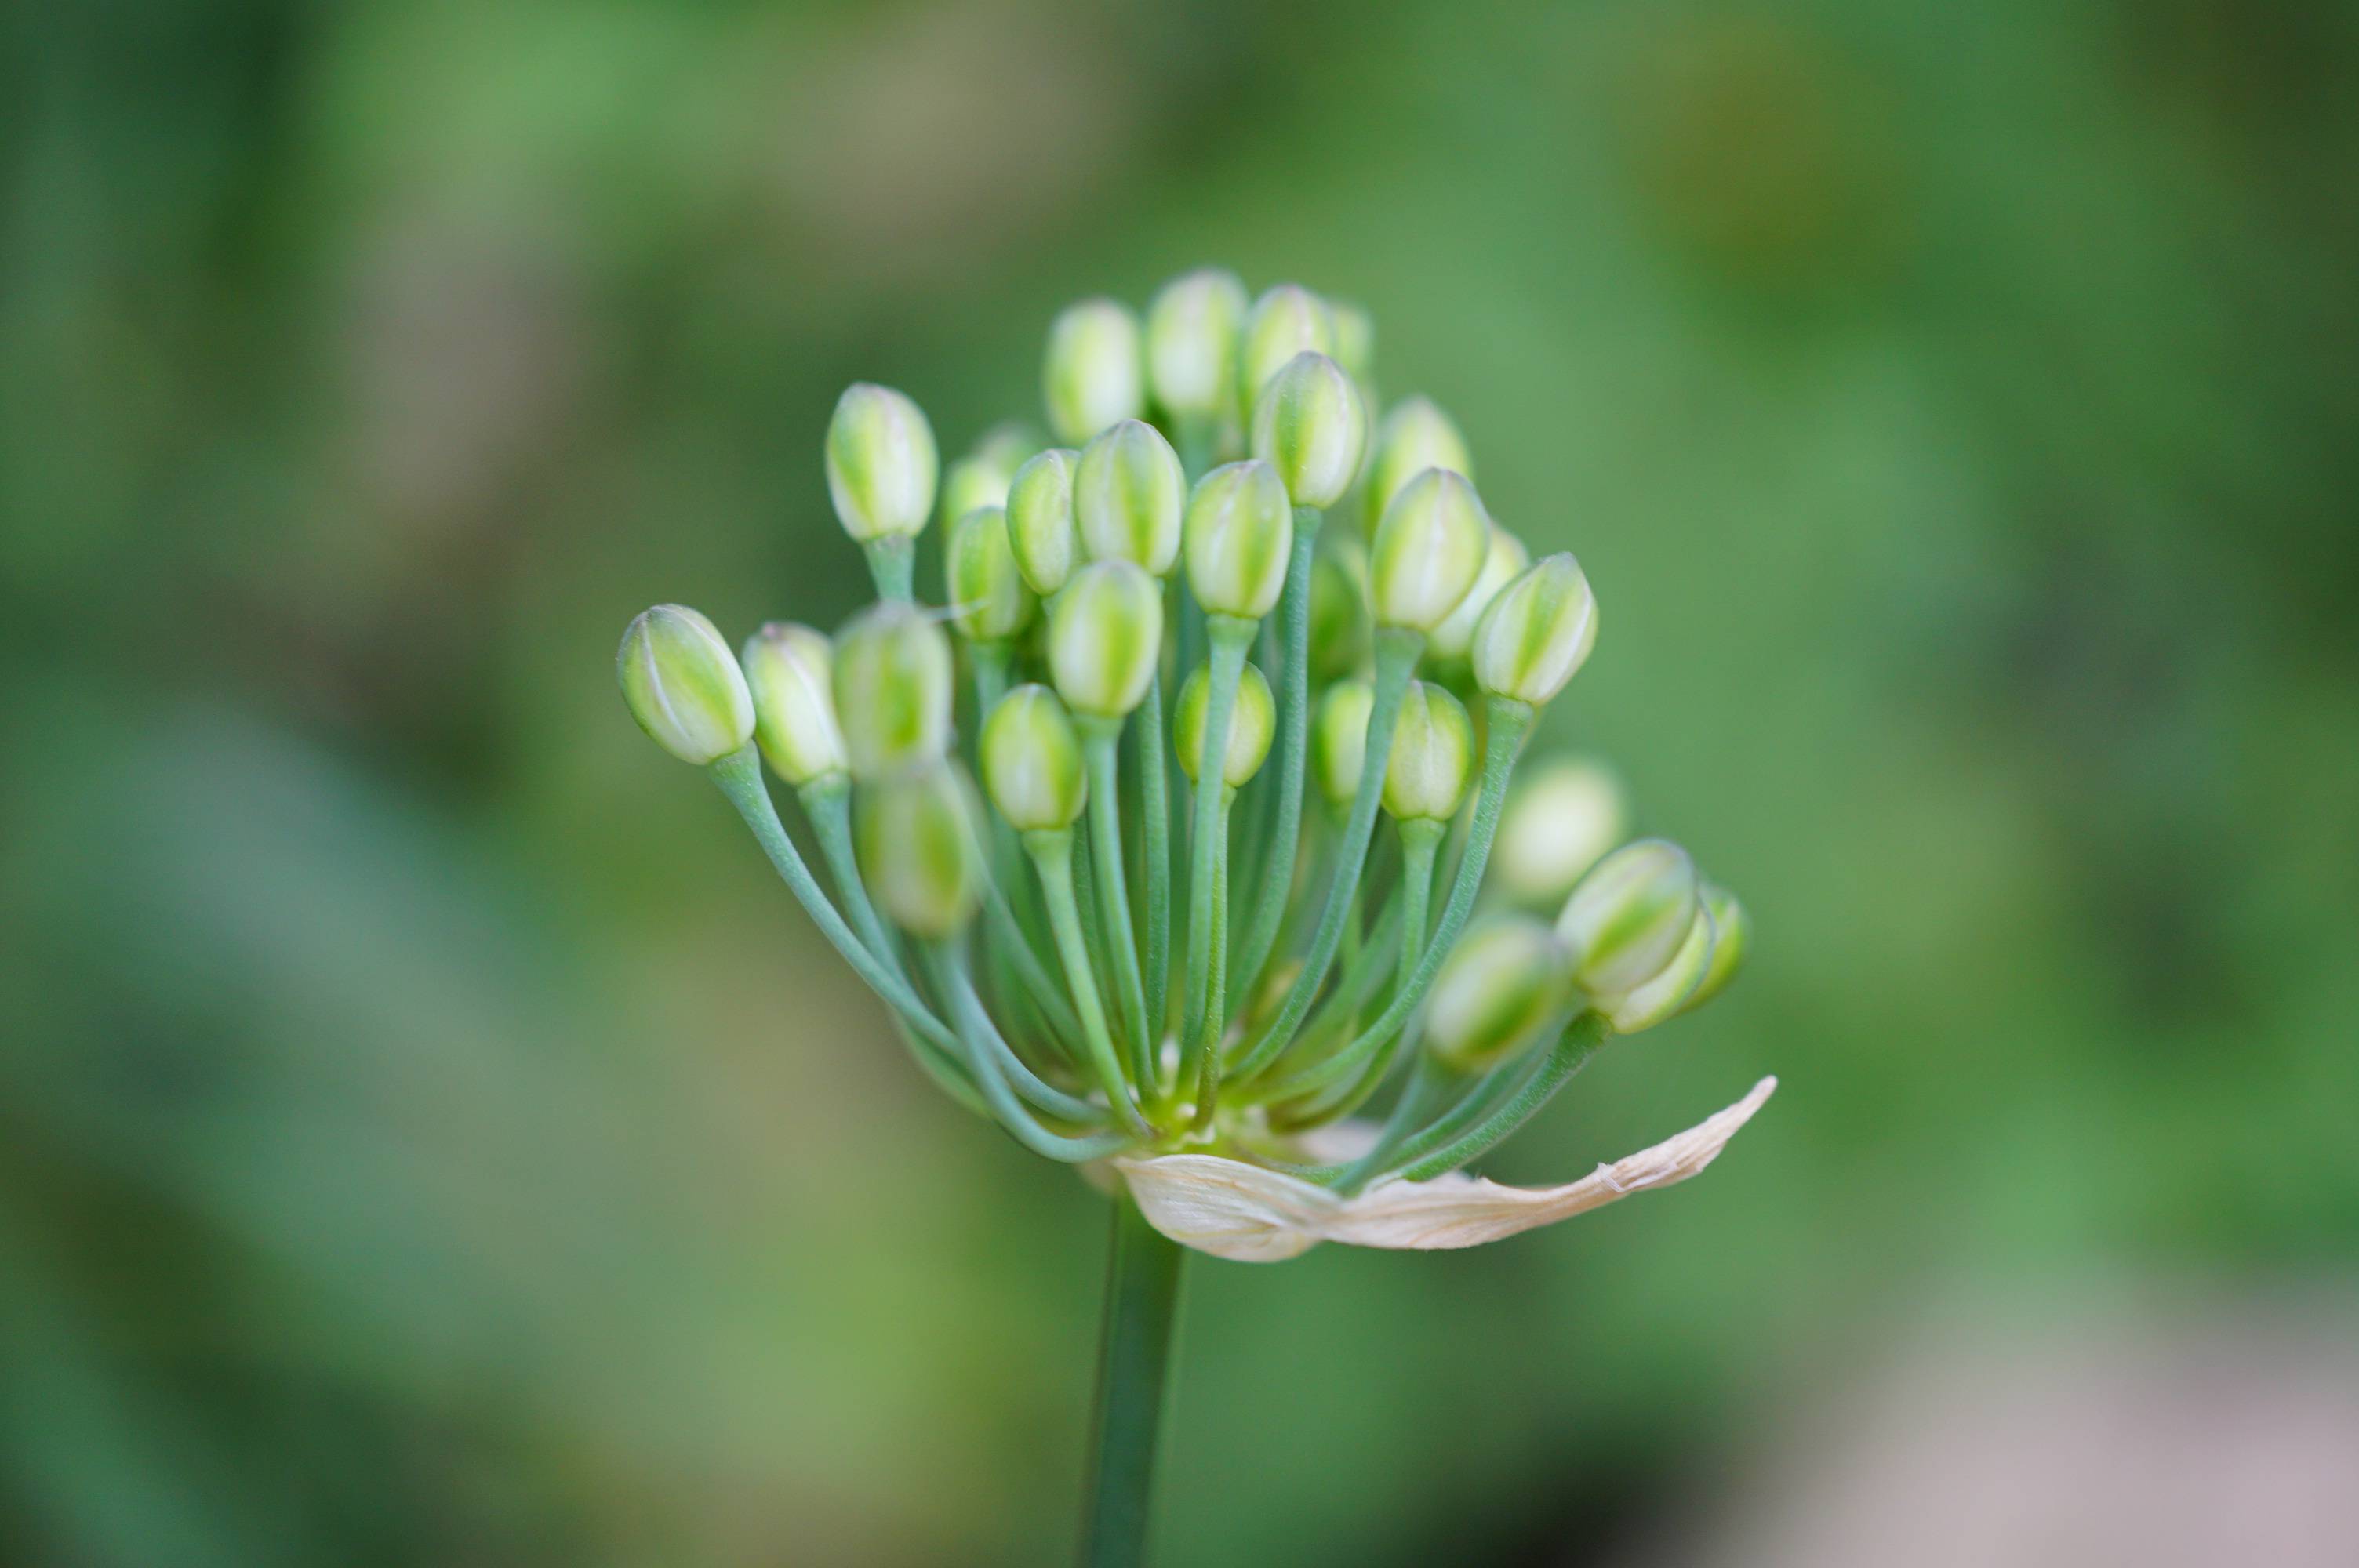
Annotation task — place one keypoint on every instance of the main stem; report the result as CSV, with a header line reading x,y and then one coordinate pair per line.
x,y
1142,1319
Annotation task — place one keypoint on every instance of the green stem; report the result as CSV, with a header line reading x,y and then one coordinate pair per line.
x,y
1098,738
1419,838
1052,858
1276,867
1208,1059
1397,654
1208,845
893,564
1572,1049
1145,1269
947,963
1419,1098
1154,764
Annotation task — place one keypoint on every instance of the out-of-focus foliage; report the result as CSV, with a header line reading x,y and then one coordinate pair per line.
x,y
428,1133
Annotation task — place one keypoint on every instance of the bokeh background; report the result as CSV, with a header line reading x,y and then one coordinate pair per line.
x,y
428,1134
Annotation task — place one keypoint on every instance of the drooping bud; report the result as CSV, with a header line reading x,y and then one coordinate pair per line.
x,y
1032,761
1338,739
1128,497
1507,558
1499,985
989,600
1341,630
682,686
1285,321
1251,721
1732,933
892,690
1562,817
1433,756
1310,426
1238,532
789,669
1415,436
1192,332
1669,992
1355,340
1537,633
981,478
1624,923
916,835
1093,376
1105,638
881,462
1427,551
1041,527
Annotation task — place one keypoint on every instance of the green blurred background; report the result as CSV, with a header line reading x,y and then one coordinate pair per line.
x,y
429,1134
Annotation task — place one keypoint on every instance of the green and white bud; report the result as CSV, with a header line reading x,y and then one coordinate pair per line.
x,y
1105,638
1732,933
1238,532
682,686
981,478
1354,333
1093,375
1537,633
893,684
1251,721
1624,923
1285,321
1451,640
915,837
1670,992
881,463
1311,425
1503,981
790,670
1032,761
989,599
1129,495
1342,632
1338,739
1562,819
1415,436
1433,756
1193,329
1427,551
1041,527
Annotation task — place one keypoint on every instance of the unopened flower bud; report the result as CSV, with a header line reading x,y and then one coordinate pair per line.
x,y
1192,332
1032,761
1427,551
682,686
1128,497
1238,532
1732,933
892,690
881,462
1341,630
1433,756
981,478
989,600
1309,424
1041,527
1285,321
1537,633
1562,817
1093,375
1105,638
1253,719
1354,333
789,669
1669,992
915,838
1506,559
1499,985
1415,436
1338,739
1624,923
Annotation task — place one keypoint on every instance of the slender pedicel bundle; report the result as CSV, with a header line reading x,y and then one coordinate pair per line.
x,y
1186,953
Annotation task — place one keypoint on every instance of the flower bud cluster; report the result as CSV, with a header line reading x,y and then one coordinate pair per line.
x,y
1157,586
